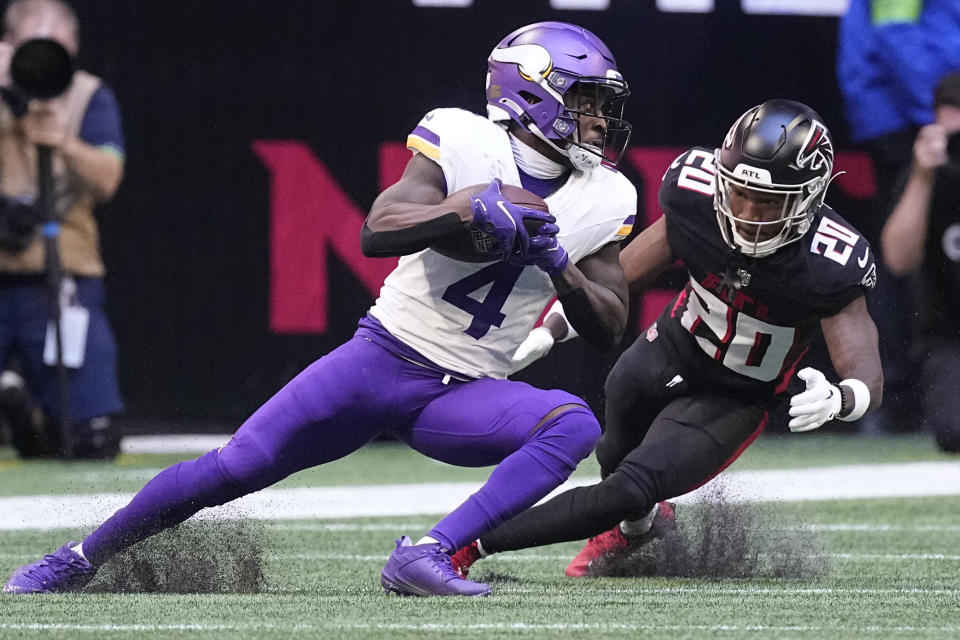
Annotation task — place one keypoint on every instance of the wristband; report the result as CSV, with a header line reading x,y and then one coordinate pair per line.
x,y
557,308
861,400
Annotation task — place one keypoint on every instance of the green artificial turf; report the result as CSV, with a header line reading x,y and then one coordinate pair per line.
x,y
886,568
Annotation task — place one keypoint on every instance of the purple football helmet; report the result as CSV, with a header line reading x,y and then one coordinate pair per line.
x,y
546,75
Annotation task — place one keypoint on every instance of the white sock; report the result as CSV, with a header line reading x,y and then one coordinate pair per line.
x,y
483,554
79,551
641,526
427,540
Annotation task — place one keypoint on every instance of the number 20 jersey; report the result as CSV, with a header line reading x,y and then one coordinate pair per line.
x,y
747,341
470,318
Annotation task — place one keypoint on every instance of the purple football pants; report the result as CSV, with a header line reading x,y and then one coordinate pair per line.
x,y
347,398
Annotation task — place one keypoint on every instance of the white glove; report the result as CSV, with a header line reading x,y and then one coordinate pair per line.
x,y
820,402
537,344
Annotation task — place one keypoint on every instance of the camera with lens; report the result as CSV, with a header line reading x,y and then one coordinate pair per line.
x,y
41,69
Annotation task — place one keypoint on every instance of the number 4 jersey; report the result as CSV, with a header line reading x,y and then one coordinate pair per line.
x,y
741,324
470,318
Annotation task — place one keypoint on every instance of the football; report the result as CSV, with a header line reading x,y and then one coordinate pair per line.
x,y
473,245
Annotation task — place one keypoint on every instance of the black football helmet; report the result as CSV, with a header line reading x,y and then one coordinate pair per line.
x,y
780,147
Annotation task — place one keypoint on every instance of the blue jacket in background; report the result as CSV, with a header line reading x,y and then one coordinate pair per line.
x,y
888,68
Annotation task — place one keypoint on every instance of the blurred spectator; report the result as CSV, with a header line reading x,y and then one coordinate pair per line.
x,y
83,128
891,53
922,236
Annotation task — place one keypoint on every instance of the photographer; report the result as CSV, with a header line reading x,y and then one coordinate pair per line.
x,y
922,236
82,127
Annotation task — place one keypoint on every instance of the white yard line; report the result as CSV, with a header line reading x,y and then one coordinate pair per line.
x,y
182,443
823,483
447,627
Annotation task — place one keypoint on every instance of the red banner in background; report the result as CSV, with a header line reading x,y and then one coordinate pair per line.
x,y
310,214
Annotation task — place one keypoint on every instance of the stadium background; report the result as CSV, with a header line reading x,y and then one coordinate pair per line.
x,y
258,134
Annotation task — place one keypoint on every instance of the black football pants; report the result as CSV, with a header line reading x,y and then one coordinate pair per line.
x,y
664,436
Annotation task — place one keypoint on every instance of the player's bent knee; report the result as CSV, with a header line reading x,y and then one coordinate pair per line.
x,y
624,497
570,431
609,455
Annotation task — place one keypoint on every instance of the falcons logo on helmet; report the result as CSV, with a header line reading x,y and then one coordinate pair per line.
x,y
817,149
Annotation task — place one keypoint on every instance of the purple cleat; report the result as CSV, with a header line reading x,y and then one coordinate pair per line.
x,y
61,571
425,570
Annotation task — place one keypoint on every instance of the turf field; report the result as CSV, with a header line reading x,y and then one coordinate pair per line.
x,y
842,568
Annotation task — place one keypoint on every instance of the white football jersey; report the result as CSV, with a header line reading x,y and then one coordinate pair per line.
x,y
468,317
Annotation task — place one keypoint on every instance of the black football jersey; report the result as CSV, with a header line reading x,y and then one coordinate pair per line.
x,y
741,324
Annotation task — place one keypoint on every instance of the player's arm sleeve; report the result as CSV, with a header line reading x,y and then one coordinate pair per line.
x,y
855,279
402,242
415,212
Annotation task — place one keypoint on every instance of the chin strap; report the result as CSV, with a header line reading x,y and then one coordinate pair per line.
x,y
580,158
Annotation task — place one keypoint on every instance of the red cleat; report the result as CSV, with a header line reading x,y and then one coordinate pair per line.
x,y
613,540
596,547
464,558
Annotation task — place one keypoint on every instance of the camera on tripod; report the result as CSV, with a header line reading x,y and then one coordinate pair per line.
x,y
40,69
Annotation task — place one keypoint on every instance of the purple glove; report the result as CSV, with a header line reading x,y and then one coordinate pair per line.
x,y
507,222
545,252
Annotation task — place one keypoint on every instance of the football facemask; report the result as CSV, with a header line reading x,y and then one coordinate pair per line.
x,y
796,214
781,148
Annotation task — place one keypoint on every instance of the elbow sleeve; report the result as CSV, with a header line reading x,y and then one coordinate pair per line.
x,y
401,242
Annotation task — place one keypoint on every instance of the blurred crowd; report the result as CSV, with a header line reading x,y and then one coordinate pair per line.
x,y
898,67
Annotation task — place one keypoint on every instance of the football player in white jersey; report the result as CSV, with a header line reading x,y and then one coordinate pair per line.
x,y
428,363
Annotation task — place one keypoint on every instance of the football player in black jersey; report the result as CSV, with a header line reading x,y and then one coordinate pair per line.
x,y
770,265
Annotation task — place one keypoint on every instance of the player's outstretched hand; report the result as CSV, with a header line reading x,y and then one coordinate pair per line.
x,y
537,344
819,403
511,224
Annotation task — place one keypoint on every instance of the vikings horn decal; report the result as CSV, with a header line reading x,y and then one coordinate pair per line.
x,y
816,149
